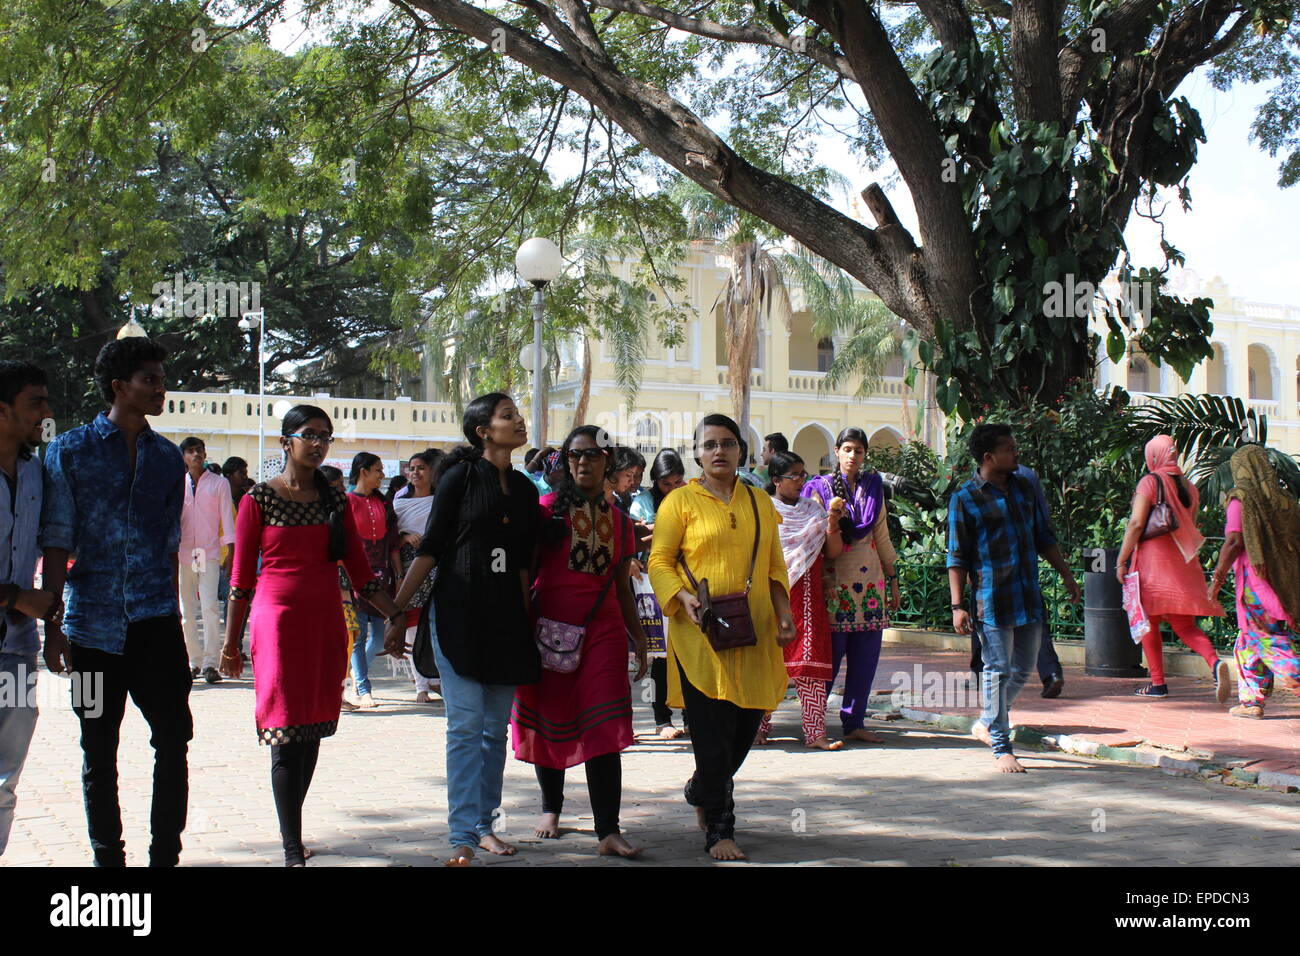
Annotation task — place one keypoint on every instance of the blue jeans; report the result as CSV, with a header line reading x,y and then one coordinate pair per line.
x,y
477,717
17,724
1009,656
368,644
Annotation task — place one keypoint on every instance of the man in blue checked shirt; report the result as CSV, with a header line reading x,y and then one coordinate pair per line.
x,y
113,497
996,533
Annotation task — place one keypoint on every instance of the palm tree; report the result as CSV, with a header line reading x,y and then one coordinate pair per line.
x,y
755,281
1207,429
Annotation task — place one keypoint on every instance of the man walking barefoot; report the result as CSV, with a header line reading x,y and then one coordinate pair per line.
x,y
995,535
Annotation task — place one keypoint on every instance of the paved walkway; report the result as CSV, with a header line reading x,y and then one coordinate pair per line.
x,y
1104,710
926,797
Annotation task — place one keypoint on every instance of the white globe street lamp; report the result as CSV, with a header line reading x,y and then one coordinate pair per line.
x,y
538,261
132,330
250,321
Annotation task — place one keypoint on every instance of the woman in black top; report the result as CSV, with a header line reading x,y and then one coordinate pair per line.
x,y
481,533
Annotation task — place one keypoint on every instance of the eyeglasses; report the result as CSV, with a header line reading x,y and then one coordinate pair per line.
x,y
726,444
591,454
803,477
313,439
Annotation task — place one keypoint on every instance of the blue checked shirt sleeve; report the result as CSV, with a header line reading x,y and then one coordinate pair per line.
x,y
58,509
959,554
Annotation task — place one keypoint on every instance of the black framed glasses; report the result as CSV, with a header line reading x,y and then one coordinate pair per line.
x,y
312,438
591,454
803,477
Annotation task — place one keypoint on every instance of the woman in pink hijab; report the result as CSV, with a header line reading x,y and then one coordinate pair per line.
x,y
1170,579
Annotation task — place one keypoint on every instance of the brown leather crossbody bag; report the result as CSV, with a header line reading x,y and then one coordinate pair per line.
x,y
725,619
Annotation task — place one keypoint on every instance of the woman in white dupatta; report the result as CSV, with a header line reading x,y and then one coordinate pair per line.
x,y
412,507
807,533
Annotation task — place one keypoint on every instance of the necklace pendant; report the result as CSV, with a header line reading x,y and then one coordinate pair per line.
x,y
505,519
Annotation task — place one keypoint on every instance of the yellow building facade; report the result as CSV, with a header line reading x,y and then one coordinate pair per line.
x,y
1257,356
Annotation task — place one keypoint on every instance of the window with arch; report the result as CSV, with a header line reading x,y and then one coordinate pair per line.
x,y
223,408
825,355
647,435
1259,375
1139,374
171,406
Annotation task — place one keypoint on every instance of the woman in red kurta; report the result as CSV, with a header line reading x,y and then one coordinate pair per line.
x,y
301,528
584,717
805,539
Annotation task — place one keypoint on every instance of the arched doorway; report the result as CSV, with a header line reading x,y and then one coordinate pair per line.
x,y
886,438
815,445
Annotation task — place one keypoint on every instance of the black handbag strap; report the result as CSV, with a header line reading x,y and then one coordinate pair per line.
x,y
753,555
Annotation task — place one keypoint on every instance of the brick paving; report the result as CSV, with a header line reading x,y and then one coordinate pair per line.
x,y
926,797
1104,710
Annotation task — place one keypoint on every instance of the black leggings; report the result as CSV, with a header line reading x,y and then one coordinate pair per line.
x,y
292,766
721,735
662,713
604,787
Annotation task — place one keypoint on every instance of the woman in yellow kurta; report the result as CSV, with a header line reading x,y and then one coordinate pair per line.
x,y
710,522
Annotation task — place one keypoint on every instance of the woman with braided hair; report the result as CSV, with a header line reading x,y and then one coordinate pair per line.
x,y
861,584
1262,547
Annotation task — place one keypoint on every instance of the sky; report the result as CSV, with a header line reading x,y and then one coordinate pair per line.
x,y
1241,226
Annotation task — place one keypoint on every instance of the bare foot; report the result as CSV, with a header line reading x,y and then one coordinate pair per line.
x,y
863,734
615,845
669,732
825,743
548,827
699,818
1009,764
760,739
494,844
981,733
307,854
727,850
461,856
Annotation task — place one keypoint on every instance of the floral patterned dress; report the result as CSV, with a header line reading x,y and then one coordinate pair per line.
x,y
855,581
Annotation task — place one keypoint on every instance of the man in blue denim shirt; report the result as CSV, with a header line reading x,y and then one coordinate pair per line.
x,y
114,492
24,405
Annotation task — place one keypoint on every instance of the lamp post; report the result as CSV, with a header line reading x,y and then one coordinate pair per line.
x,y
132,330
250,321
538,261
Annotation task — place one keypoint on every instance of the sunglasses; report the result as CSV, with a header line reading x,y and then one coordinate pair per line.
x,y
591,454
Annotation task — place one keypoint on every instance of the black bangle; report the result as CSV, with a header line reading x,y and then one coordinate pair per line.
x,y
957,607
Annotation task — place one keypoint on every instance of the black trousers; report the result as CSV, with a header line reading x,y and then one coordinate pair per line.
x,y
292,767
604,787
721,735
153,669
659,675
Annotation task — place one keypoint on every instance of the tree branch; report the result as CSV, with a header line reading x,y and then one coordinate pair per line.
x,y
739,34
